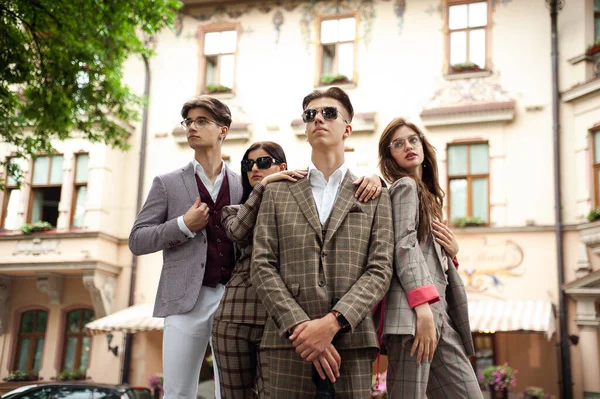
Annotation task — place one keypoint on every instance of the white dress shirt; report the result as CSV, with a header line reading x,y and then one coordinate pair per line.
x,y
213,190
325,192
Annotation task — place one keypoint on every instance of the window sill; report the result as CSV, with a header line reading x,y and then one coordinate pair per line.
x,y
343,86
467,75
220,95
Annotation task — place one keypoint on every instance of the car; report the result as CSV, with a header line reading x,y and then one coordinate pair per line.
x,y
78,390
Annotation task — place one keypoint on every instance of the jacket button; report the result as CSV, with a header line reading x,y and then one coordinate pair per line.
x,y
202,264
221,254
323,254
218,240
321,283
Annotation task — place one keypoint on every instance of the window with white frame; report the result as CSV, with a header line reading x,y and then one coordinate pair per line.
x,y
80,190
467,35
337,47
219,60
12,198
468,182
46,183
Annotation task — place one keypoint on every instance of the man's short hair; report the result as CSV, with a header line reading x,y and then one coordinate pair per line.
x,y
219,111
333,92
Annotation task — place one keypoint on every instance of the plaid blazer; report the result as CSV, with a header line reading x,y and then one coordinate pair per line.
x,y
300,266
156,229
240,304
417,264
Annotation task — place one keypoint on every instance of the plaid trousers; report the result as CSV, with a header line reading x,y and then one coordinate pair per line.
x,y
449,375
237,353
290,377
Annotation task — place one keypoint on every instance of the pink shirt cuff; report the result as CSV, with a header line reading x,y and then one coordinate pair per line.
x,y
426,293
455,261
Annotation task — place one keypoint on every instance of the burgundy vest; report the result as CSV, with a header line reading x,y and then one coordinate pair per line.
x,y
220,258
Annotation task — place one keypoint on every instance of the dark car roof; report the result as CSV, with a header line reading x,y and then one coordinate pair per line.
x,y
88,384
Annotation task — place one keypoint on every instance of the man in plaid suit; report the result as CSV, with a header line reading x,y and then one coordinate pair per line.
x,y
321,262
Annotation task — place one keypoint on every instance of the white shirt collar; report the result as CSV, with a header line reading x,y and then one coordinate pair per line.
x,y
336,176
199,169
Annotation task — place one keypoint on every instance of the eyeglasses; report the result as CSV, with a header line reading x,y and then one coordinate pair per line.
x,y
261,163
399,144
200,122
329,113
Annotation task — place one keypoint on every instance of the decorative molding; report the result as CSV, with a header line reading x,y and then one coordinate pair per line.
x,y
468,75
579,58
239,131
590,236
5,287
51,285
72,233
364,122
102,290
578,92
36,246
582,267
474,100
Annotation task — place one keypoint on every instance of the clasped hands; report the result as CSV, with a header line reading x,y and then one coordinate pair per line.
x,y
312,340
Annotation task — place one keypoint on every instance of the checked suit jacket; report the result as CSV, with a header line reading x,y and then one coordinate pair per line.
x,y
155,229
419,264
299,266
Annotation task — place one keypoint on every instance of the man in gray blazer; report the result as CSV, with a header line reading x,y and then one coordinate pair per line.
x,y
182,217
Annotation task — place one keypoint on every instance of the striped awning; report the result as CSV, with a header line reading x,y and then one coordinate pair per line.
x,y
133,319
491,315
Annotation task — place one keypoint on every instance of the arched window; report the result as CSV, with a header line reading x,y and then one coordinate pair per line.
x,y
76,352
30,342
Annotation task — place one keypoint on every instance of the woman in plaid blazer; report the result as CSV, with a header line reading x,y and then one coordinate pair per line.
x,y
426,328
240,318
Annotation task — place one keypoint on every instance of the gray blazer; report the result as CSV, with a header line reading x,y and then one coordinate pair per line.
x,y
418,264
156,229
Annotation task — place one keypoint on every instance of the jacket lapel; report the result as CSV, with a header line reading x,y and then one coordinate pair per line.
x,y
343,204
439,251
303,195
189,180
235,189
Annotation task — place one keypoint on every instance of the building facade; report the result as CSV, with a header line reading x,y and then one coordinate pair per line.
x,y
474,74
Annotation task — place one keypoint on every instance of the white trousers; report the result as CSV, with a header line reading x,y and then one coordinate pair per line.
x,y
185,339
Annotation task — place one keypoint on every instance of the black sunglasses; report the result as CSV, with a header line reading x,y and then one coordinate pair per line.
x,y
262,163
329,113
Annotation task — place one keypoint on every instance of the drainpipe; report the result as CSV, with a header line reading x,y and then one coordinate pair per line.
x,y
125,371
566,387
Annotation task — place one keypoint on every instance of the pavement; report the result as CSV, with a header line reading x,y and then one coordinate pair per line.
x,y
206,390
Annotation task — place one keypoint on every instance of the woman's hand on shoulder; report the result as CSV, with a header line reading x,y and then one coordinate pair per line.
x,y
445,237
291,175
369,188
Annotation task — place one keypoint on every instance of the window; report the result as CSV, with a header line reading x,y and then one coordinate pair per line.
x,y
219,55
484,352
80,190
596,166
467,35
468,181
39,393
30,341
337,38
12,199
67,392
45,189
597,19
76,353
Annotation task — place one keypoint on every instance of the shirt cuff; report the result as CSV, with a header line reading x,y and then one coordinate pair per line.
x,y
426,293
184,229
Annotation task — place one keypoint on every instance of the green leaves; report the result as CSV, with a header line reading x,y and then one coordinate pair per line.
x,y
61,68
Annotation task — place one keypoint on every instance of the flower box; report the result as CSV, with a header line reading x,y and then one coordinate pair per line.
x,y
465,67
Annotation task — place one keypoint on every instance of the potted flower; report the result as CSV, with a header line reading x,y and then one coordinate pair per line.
x,y
155,382
594,215
379,387
21,376
29,228
334,79
212,89
468,221
498,380
535,393
593,48
465,67
71,375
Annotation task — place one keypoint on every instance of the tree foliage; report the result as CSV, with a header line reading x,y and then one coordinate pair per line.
x,y
61,68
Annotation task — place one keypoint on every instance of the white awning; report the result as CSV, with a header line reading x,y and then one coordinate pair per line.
x,y
133,319
492,315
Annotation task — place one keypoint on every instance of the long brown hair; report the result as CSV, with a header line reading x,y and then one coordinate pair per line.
x,y
271,148
431,195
